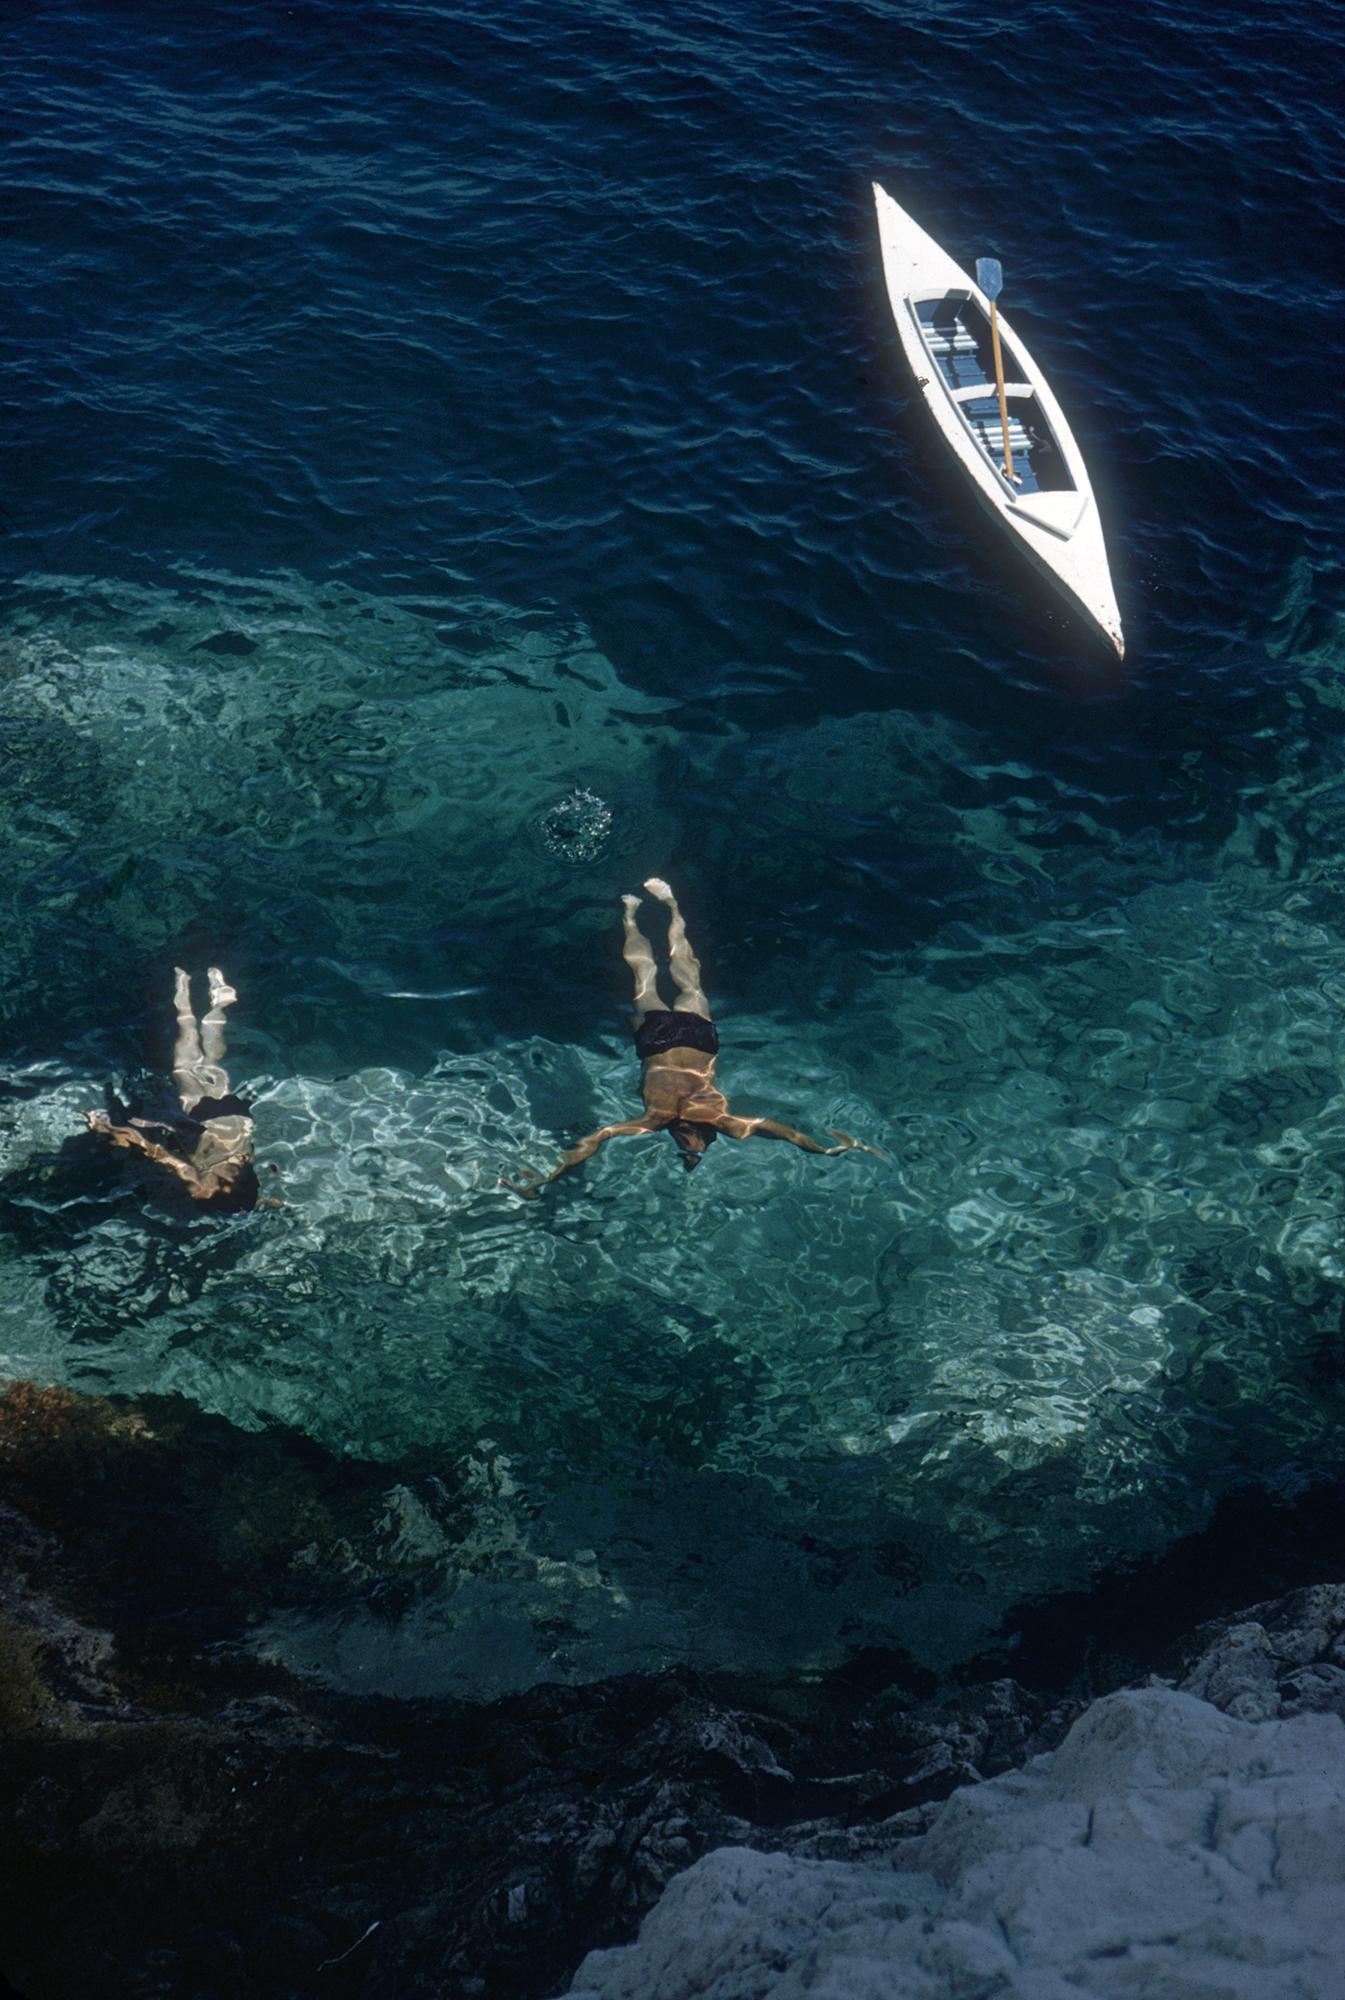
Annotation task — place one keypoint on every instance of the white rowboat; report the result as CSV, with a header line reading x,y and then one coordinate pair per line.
x,y
943,321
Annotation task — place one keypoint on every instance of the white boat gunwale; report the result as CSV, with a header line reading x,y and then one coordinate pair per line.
x,y
1056,525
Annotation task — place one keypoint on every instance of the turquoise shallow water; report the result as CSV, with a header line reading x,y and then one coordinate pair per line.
x,y
413,424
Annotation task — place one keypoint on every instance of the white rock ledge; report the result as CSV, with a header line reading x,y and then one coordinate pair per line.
x,y
1166,1851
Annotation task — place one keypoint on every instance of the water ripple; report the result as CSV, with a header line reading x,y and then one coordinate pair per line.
x,y
419,418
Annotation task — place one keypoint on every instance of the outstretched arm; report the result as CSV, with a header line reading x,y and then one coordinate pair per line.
x,y
771,1128
132,1137
585,1150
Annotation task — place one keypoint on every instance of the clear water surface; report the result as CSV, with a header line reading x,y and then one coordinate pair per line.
x,y
418,415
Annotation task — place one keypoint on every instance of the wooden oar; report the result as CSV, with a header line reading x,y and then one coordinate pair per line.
x,y
990,278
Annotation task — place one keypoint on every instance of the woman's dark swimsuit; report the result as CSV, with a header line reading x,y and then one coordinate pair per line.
x,y
172,1116
661,1030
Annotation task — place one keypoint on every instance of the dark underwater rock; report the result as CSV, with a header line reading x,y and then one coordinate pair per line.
x,y
179,1819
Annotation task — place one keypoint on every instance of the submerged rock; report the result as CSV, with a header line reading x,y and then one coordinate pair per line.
x,y
191,1821
178,1818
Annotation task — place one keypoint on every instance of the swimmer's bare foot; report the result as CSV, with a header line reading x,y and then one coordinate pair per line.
x,y
630,904
181,990
658,887
221,993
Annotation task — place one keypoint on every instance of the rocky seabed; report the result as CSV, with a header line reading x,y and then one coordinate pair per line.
x,y
181,1819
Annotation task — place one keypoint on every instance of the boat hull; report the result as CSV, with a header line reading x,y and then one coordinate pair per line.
x,y
943,322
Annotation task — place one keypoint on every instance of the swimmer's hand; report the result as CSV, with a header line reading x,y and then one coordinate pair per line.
x,y
528,1189
849,1145
771,1128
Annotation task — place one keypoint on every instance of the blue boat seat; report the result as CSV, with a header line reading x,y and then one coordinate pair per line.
x,y
988,432
1037,464
993,435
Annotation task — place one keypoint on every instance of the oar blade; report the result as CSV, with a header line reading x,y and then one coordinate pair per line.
x,y
990,277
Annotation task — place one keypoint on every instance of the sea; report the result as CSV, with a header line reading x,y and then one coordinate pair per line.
x,y
456,464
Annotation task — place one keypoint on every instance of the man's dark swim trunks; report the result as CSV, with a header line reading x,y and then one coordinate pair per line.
x,y
662,1030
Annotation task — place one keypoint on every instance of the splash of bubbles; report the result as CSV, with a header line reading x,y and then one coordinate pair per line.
x,y
576,828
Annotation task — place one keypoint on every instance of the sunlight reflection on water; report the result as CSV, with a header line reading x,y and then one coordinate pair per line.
x,y
757,1416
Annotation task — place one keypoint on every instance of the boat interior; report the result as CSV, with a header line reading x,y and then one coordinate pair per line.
x,y
957,335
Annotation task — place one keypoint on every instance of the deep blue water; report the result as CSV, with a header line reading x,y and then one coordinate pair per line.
x,y
415,412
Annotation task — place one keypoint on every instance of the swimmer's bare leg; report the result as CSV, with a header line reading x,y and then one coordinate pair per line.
x,y
635,950
222,995
683,963
188,1056
193,1076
